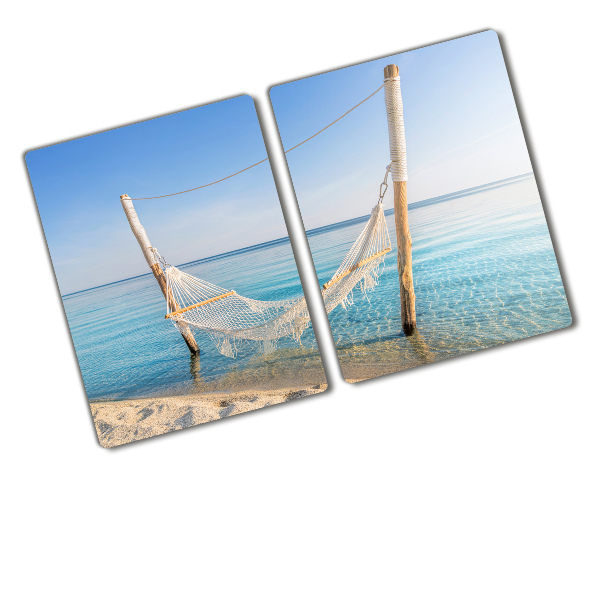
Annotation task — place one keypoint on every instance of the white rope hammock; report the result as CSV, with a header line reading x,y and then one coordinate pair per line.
x,y
232,320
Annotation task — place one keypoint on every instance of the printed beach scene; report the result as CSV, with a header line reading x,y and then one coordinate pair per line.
x,y
207,320
431,160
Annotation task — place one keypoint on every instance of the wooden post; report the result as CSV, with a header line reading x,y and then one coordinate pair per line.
x,y
393,105
142,237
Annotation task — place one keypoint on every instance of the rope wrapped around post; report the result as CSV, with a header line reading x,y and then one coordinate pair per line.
x,y
396,133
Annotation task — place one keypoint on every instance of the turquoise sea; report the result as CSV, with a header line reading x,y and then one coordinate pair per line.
x,y
484,274
126,348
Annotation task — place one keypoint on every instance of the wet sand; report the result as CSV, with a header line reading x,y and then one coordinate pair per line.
x,y
123,421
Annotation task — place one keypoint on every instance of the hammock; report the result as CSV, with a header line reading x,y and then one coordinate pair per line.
x,y
232,320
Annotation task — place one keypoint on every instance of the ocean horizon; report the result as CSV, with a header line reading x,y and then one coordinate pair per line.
x,y
314,231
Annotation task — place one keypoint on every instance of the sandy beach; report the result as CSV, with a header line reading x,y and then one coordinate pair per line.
x,y
124,421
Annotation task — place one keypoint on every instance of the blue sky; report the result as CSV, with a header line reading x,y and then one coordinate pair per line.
x,y
462,128
77,185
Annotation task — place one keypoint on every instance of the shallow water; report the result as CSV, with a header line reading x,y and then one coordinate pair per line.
x,y
126,348
484,272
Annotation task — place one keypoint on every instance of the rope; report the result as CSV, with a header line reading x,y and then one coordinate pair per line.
x,y
395,115
334,122
264,159
205,185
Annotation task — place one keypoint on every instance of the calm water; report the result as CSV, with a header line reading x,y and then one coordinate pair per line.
x,y
484,271
484,274
127,349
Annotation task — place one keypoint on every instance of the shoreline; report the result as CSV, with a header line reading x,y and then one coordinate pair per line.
x,y
119,422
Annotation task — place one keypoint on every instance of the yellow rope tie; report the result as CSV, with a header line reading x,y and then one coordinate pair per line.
x,y
182,310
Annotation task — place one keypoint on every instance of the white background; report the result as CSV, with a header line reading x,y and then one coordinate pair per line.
x,y
475,478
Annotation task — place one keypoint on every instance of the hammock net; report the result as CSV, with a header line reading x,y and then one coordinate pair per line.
x,y
233,321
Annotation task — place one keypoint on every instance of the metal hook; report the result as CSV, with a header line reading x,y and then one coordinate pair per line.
x,y
384,186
